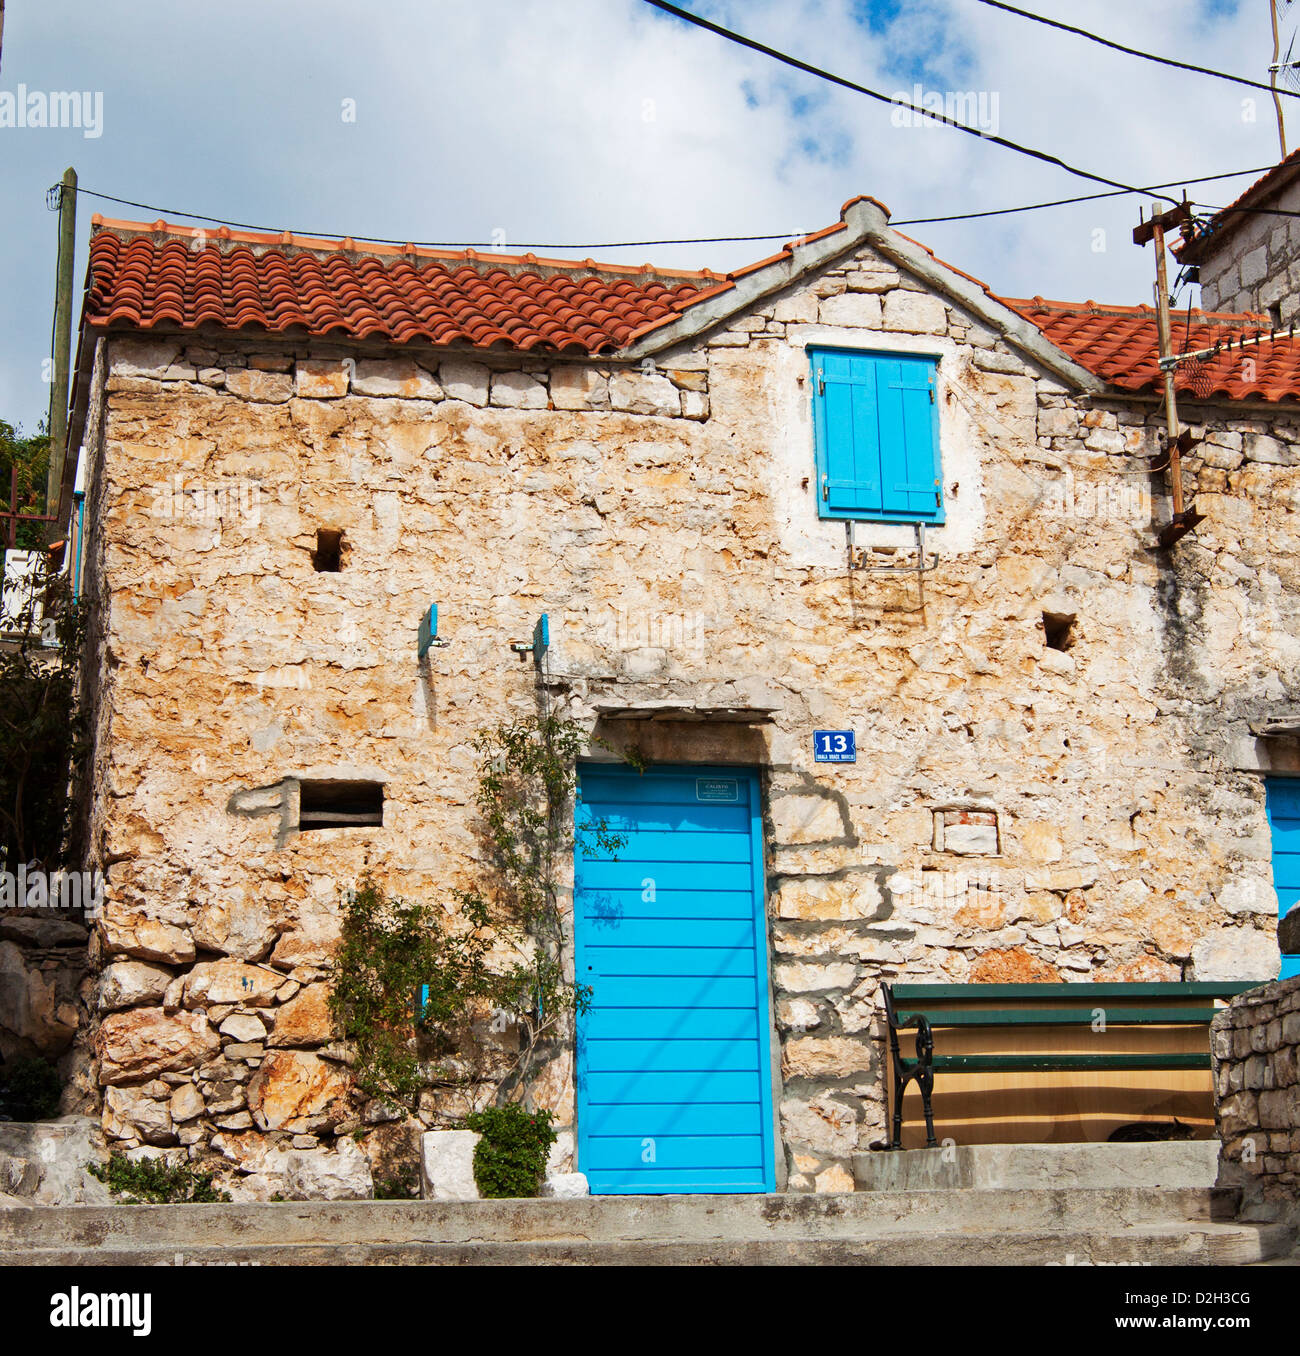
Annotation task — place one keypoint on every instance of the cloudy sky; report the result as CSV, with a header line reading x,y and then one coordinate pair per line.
x,y
590,121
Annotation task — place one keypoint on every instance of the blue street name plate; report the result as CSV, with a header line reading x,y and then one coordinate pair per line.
x,y
835,746
717,788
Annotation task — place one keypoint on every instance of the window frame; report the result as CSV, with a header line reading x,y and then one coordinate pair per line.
x,y
825,511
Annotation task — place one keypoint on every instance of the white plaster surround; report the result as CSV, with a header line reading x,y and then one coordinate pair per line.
x,y
811,540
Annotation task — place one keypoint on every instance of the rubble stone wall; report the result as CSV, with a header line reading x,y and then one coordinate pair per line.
x,y
1256,1047
1086,809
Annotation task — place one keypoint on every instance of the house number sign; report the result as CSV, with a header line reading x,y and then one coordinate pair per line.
x,y
835,746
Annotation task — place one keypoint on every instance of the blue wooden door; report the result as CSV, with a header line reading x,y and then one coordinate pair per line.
x,y
1284,817
673,1080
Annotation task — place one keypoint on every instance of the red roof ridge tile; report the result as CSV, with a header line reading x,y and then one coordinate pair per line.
x,y
1248,319
349,245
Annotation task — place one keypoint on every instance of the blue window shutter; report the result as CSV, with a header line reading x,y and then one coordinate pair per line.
x,y
877,436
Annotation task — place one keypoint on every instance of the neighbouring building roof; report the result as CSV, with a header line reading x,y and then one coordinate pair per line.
x,y
1209,239
160,276
1119,344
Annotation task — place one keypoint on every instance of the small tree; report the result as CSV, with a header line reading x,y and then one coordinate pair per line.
x,y
41,728
391,950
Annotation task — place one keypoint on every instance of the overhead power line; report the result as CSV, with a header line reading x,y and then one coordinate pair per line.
x,y
440,244
1134,51
786,59
172,212
1082,197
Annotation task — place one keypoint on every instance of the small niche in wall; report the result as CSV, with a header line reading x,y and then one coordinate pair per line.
x,y
340,805
966,833
327,558
1058,629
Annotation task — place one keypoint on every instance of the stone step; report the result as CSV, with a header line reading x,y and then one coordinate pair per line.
x,y
610,1219
1205,1244
1169,1164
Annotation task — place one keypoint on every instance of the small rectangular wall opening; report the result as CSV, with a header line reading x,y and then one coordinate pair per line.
x,y
1058,628
328,555
340,805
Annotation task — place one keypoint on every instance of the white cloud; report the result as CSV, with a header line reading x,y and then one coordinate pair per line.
x,y
601,120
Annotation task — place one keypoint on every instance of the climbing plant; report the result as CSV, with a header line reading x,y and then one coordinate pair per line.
x,y
392,953
528,784
406,969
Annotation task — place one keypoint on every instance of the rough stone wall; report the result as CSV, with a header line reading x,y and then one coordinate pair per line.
x,y
1018,811
1258,267
1256,1047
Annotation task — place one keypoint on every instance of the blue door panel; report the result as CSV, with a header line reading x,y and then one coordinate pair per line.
x,y
1284,816
678,993
649,1180
673,1074
597,875
601,905
692,789
675,962
650,848
670,1056
667,817
686,1088
672,932
700,1118
740,1024
672,1152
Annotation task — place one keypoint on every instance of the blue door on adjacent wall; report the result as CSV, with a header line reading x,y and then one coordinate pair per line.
x,y
673,1080
1284,816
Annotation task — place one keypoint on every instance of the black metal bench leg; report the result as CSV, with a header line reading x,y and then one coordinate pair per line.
x,y
925,1081
900,1086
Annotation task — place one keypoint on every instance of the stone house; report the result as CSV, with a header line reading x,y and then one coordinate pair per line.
x,y
846,491
1249,256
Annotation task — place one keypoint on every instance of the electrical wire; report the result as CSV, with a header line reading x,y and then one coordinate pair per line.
x,y
167,212
439,244
1082,197
786,59
1134,51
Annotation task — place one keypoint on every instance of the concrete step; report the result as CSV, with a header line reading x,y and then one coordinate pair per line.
x,y
609,1219
1205,1244
1170,1164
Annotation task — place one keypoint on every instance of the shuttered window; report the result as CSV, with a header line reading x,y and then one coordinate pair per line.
x,y
876,425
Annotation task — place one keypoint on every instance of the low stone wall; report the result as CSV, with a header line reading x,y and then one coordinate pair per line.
x,y
1256,1047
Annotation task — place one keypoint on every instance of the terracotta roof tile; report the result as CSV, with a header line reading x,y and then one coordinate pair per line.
x,y
1119,344
147,276
150,275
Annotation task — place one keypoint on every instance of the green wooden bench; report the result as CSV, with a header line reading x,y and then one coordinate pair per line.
x,y
1097,1007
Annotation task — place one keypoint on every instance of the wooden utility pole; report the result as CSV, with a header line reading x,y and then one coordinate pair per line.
x,y
59,376
1272,77
1177,442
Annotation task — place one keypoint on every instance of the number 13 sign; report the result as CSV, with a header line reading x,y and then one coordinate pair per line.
x,y
834,746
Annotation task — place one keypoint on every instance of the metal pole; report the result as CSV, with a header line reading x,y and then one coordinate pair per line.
x,y
1272,77
62,342
1163,330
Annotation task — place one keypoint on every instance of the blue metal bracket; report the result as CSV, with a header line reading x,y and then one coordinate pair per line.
x,y
428,633
541,641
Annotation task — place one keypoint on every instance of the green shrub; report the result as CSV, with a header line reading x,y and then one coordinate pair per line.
x,y
152,1181
511,1157
30,1089
404,1186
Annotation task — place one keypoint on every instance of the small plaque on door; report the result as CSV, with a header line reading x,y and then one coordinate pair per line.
x,y
717,788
